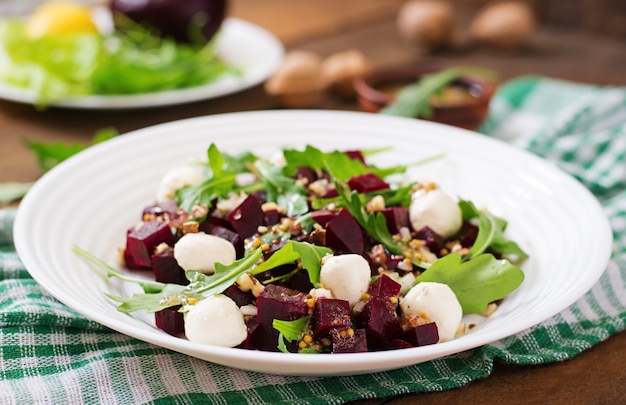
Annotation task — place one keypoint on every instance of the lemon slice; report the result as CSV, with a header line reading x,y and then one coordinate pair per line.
x,y
60,18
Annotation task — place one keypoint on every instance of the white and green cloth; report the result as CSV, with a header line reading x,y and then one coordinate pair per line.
x,y
50,354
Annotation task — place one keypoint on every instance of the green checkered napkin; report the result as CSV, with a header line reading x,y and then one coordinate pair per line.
x,y
50,354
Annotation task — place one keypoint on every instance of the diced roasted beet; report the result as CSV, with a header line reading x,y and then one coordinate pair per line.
x,y
225,233
392,263
241,298
307,173
330,193
431,239
162,210
271,217
322,217
381,324
344,234
299,281
246,218
396,217
166,269
387,290
329,314
252,324
129,262
264,337
219,219
356,155
422,335
349,343
277,302
170,320
467,234
142,239
367,183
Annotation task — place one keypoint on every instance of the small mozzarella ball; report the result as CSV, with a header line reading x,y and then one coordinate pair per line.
x,y
200,251
215,320
439,303
347,276
176,178
321,293
437,210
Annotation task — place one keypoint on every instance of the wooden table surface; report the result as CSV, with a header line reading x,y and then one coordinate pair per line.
x,y
326,26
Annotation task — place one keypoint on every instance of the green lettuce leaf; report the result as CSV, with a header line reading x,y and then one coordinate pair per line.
x,y
476,282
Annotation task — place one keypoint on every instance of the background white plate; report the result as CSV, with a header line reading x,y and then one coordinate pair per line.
x,y
246,46
91,199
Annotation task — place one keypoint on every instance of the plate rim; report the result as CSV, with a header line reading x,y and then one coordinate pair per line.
x,y
358,363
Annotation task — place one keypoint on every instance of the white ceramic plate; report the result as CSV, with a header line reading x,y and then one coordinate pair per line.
x,y
255,51
91,199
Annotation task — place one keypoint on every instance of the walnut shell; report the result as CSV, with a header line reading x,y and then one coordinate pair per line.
x,y
427,24
341,68
298,82
505,26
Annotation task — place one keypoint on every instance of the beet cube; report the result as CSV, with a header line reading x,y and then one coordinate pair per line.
x,y
330,314
305,172
422,335
161,210
387,290
349,343
271,217
467,234
381,324
246,218
367,183
142,239
241,298
166,269
356,155
396,217
344,234
277,302
170,320
322,217
431,239
224,233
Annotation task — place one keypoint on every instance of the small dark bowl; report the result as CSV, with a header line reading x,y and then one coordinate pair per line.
x,y
468,114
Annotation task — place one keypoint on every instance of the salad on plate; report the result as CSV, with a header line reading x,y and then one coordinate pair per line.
x,y
312,251
66,49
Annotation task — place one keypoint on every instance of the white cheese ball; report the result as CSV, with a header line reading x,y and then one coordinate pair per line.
x,y
200,251
437,210
347,276
176,178
215,320
439,303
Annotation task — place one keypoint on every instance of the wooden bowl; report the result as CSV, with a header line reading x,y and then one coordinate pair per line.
x,y
376,90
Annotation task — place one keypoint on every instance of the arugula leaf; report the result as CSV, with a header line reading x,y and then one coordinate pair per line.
x,y
490,233
220,182
170,296
414,99
149,287
282,189
311,256
10,192
342,166
223,277
290,330
51,154
476,282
